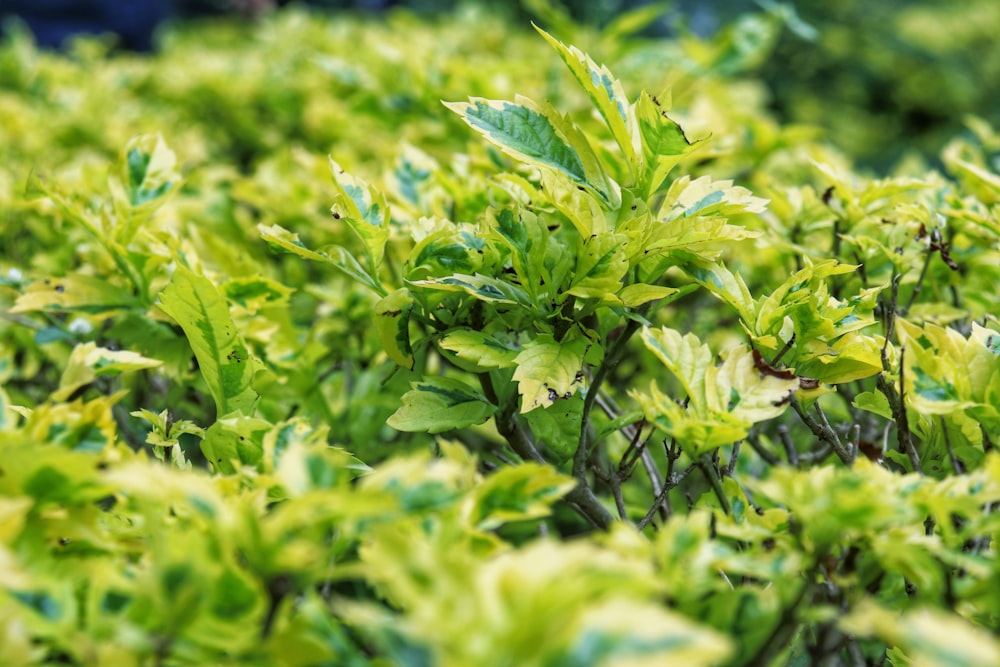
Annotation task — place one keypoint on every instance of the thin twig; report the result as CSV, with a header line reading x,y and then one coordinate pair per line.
x,y
754,439
956,463
668,486
821,429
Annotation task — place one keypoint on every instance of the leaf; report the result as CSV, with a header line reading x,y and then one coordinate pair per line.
x,y
392,324
224,360
149,174
74,293
522,133
605,92
600,266
517,493
87,362
720,402
482,287
637,294
664,143
704,197
439,404
236,441
723,283
548,370
929,637
256,292
365,209
279,237
483,351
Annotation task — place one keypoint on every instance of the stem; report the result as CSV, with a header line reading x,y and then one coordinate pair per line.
x,y
956,463
754,439
920,280
611,360
821,429
509,425
711,473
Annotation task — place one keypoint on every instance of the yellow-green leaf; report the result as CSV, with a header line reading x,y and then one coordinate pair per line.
x,y
223,357
549,370
87,362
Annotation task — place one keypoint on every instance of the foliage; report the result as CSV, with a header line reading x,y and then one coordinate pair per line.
x,y
569,374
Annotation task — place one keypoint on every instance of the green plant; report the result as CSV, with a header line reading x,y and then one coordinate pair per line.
x,y
569,385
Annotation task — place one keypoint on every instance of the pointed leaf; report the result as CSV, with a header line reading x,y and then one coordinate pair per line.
x,y
365,209
392,324
439,404
605,91
522,133
223,356
482,350
278,237
87,362
548,370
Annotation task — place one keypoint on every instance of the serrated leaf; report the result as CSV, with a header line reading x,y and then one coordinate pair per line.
x,y
392,324
704,197
149,174
549,370
439,404
600,266
522,133
88,361
223,357
482,287
721,402
605,92
365,209
482,350
279,237
664,143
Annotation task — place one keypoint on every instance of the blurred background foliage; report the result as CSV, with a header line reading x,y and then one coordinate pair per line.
x,y
885,80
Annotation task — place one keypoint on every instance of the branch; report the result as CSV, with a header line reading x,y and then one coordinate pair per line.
x,y
509,425
821,429
611,360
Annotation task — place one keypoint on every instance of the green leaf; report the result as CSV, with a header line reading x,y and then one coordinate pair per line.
x,y
256,292
483,351
637,294
722,401
365,209
223,356
522,133
600,266
439,404
235,441
605,92
74,293
482,287
549,370
518,493
874,402
149,174
87,362
392,324
664,143
279,237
